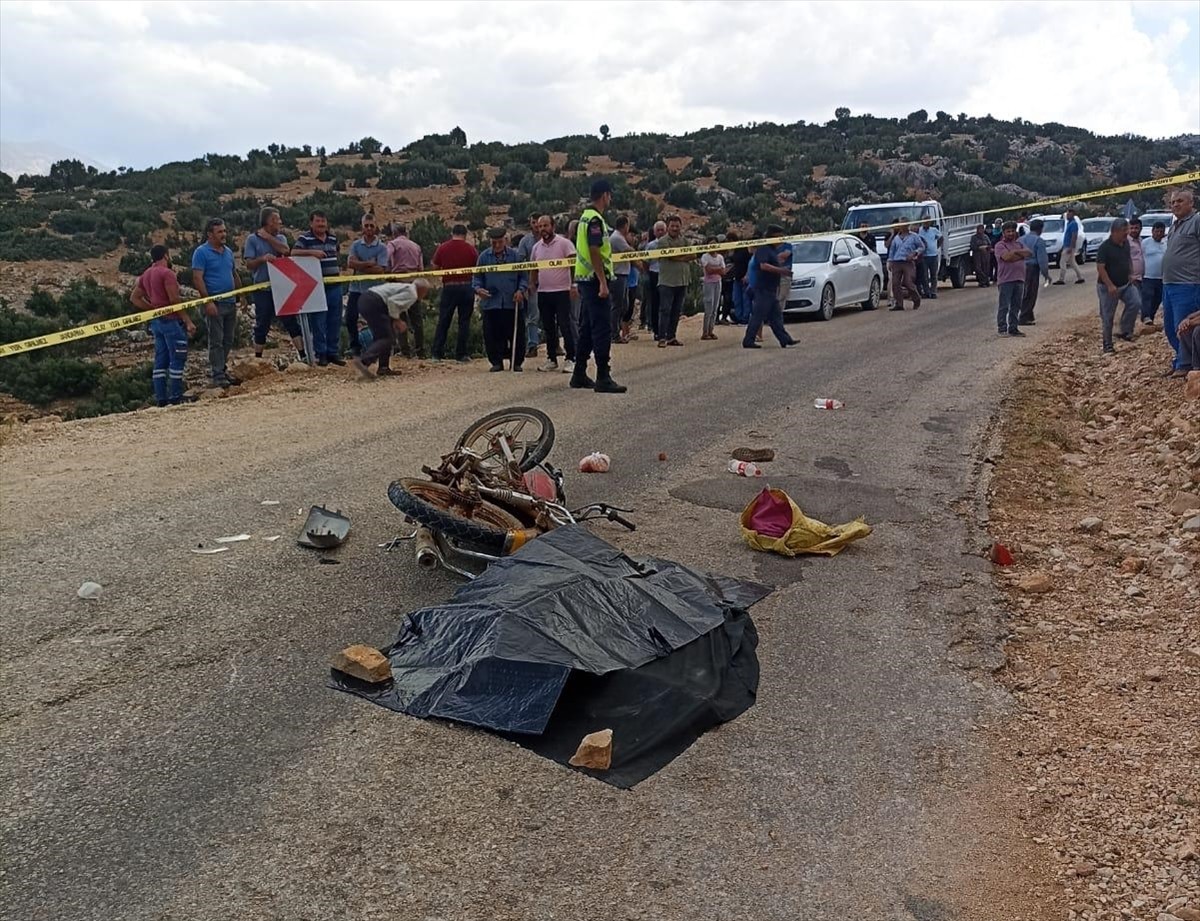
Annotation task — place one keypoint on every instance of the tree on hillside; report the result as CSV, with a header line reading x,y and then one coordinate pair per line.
x,y
67,174
8,188
604,132
368,146
458,137
841,113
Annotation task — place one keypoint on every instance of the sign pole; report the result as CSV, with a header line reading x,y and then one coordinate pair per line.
x,y
306,335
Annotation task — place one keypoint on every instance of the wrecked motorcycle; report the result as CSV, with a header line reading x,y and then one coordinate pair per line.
x,y
491,495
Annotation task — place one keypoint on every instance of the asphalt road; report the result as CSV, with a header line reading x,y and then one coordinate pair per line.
x,y
171,750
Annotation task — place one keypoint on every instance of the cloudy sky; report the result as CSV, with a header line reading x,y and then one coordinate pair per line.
x,y
136,84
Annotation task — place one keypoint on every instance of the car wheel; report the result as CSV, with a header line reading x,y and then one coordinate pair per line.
x,y
828,299
872,301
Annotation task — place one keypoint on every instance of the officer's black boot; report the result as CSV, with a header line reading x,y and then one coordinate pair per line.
x,y
579,377
605,383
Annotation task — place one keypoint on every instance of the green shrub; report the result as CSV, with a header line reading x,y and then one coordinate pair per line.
x,y
428,232
118,391
415,174
341,210
15,326
43,378
22,246
683,195
73,222
18,214
134,263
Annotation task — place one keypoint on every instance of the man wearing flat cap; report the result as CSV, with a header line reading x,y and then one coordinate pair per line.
x,y
501,303
593,274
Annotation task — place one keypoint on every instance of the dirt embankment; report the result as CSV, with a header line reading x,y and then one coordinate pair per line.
x,y
1097,495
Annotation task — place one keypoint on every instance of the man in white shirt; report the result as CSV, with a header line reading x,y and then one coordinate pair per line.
x,y
1153,248
384,308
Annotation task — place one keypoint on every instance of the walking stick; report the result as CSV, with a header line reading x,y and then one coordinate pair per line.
x,y
512,365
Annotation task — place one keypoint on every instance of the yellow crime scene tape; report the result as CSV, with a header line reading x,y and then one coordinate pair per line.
x,y
145,316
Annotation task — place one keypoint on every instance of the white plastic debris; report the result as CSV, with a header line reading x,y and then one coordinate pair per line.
x,y
90,591
270,502
272,538
235,539
207,550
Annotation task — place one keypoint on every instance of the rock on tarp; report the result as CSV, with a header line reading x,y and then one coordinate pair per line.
x,y
569,636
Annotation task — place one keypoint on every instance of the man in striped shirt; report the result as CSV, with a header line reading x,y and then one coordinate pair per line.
x,y
319,241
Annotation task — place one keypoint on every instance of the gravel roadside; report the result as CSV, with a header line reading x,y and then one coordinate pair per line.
x,y
1097,495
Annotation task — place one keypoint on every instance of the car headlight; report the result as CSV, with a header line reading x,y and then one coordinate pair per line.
x,y
805,283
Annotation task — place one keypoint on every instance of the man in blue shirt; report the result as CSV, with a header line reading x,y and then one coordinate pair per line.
x,y
1070,245
904,251
768,273
264,246
1037,263
213,276
931,239
368,256
502,304
319,241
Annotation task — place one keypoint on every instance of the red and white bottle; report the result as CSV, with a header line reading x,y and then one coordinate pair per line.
x,y
744,468
823,403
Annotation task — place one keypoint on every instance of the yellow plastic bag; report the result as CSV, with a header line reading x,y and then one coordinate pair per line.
x,y
773,522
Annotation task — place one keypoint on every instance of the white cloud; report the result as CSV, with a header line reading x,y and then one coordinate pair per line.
x,y
138,83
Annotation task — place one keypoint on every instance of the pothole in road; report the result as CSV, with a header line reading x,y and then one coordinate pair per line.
x,y
835,465
939,425
832,501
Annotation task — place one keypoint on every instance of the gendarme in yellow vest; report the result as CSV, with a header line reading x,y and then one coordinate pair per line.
x,y
583,259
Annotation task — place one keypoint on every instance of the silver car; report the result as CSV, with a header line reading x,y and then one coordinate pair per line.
x,y
1095,232
831,272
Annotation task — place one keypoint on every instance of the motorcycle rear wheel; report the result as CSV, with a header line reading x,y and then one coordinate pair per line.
x,y
530,437
479,525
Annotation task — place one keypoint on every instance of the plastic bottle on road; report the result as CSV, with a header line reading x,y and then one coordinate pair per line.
x,y
743,468
823,403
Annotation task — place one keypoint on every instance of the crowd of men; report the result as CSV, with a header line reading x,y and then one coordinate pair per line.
x,y
574,311
590,301
1139,273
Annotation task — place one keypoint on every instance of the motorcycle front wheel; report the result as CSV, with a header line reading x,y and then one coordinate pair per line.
x,y
529,432
479,525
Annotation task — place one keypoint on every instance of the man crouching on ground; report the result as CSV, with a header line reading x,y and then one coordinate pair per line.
x,y
384,308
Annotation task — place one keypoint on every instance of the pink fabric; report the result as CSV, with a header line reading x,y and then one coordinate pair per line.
x,y
558,248
405,256
771,516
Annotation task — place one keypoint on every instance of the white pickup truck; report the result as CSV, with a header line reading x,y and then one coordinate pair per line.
x,y
956,231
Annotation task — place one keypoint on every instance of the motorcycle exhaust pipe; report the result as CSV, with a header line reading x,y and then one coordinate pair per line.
x,y
509,498
429,555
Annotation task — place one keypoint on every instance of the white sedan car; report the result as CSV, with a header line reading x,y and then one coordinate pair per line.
x,y
1150,218
831,272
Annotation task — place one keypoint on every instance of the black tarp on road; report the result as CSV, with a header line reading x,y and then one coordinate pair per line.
x,y
570,635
